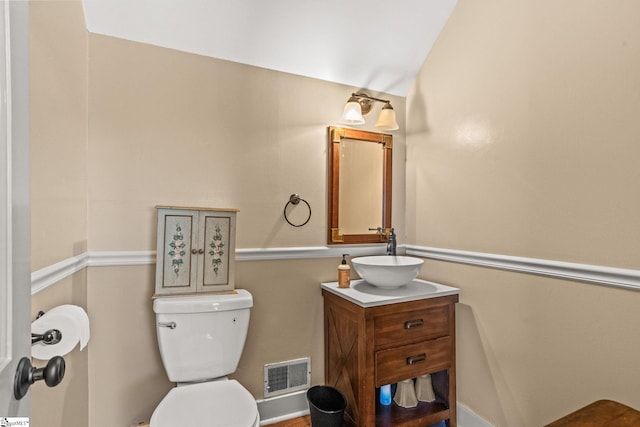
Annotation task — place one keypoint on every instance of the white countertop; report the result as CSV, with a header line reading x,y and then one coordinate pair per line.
x,y
366,295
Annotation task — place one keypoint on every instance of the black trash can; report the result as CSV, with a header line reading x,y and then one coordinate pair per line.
x,y
326,405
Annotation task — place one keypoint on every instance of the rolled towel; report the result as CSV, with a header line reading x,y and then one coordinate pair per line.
x,y
406,394
424,389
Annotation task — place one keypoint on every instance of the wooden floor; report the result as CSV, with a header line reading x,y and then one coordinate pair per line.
x,y
296,422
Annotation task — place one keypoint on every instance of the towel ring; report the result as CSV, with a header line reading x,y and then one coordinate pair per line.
x,y
294,199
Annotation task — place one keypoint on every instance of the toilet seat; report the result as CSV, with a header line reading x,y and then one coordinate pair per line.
x,y
210,404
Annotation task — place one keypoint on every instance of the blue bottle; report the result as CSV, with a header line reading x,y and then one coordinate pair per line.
x,y
385,394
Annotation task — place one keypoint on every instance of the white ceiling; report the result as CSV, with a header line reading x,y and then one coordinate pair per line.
x,y
370,44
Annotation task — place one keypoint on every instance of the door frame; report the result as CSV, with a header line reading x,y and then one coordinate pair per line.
x,y
15,275
5,195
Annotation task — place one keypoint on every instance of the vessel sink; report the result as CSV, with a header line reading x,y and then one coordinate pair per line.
x,y
387,271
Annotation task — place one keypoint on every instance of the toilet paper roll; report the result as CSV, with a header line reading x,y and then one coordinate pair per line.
x,y
71,320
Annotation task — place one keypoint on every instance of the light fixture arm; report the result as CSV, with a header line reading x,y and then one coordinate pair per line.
x,y
364,95
365,101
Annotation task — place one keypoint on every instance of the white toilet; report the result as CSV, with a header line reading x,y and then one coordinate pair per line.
x,y
201,338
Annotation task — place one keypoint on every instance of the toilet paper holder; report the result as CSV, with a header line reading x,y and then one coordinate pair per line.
x,y
52,336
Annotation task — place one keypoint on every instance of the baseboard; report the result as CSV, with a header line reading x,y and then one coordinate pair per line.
x,y
468,418
283,407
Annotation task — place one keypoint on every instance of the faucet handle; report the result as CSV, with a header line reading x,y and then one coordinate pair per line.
x,y
391,242
390,234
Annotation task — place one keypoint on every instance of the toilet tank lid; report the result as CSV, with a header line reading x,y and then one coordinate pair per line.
x,y
203,303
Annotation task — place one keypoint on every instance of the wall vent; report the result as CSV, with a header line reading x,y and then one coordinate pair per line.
x,y
287,377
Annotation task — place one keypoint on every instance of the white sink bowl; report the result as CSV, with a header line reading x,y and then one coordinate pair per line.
x,y
387,271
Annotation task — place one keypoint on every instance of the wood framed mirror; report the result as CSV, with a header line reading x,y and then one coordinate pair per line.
x,y
359,186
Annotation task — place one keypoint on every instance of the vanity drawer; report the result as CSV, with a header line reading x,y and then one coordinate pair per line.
x,y
411,326
413,360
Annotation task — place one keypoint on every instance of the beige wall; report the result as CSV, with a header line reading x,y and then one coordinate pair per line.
x,y
173,128
522,140
67,404
58,115
58,127
126,374
120,127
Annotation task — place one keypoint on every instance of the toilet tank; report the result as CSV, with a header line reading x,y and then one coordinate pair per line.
x,y
202,336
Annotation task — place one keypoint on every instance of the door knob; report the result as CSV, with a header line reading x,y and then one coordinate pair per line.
x,y
52,374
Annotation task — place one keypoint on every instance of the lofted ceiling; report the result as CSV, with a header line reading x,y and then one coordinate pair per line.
x,y
370,44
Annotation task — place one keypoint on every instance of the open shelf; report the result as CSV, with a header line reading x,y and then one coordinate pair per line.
x,y
423,415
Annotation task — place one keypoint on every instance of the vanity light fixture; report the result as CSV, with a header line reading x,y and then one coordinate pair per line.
x,y
359,104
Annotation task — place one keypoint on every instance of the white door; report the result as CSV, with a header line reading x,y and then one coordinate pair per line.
x,y
15,282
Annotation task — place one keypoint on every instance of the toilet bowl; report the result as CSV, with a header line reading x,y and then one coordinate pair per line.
x,y
210,404
201,338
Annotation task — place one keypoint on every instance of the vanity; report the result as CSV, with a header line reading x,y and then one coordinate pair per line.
x,y
376,336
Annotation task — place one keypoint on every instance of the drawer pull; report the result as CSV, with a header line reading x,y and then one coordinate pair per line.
x,y
417,358
413,323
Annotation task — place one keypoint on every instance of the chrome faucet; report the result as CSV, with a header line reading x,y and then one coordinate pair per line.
x,y
391,243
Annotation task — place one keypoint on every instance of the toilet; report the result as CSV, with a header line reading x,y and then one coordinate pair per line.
x,y
201,338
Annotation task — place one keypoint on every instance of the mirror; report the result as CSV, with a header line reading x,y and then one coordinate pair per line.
x,y
359,186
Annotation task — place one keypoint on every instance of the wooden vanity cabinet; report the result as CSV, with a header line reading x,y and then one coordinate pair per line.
x,y
367,347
